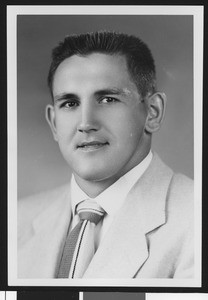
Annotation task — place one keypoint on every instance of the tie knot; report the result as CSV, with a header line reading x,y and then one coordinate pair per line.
x,y
90,210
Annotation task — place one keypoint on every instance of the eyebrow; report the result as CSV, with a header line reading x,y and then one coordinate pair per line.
x,y
108,91
64,96
112,91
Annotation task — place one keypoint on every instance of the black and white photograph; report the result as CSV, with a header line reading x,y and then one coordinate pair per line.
x,y
105,145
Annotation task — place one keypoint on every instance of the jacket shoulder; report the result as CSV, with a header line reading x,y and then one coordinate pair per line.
x,y
32,206
178,190
180,200
182,188
183,184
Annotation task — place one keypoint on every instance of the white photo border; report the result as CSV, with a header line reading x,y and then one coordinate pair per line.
x,y
12,12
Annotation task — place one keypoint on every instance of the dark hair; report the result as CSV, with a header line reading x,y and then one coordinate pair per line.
x,y
138,56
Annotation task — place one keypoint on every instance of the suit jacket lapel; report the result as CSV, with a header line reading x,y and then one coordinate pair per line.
x,y
124,248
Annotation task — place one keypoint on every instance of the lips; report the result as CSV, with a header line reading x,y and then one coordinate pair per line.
x,y
91,145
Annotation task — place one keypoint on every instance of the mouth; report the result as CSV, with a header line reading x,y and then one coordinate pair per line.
x,y
90,146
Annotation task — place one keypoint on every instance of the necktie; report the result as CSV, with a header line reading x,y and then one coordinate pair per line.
x,y
79,247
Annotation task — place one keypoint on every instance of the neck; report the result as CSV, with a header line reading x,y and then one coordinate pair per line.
x,y
94,188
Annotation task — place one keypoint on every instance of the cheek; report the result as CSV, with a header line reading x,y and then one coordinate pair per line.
x,y
65,126
132,137
129,128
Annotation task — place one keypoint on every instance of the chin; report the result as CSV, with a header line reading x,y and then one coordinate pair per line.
x,y
92,174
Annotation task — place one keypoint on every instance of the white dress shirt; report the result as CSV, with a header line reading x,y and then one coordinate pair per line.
x,y
111,199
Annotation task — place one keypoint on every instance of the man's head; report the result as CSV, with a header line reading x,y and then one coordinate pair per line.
x,y
103,116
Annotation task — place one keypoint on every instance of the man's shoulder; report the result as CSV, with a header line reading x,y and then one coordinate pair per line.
x,y
179,188
181,184
178,180
31,206
181,194
173,194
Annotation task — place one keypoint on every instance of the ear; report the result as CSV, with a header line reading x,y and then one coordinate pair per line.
x,y
156,112
50,118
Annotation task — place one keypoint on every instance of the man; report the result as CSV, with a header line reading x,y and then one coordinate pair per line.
x,y
105,109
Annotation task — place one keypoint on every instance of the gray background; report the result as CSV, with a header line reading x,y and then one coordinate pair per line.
x,y
40,164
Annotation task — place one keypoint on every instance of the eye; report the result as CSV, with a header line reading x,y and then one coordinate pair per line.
x,y
70,104
108,100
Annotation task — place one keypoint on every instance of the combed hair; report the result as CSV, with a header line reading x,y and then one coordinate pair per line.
x,y
139,59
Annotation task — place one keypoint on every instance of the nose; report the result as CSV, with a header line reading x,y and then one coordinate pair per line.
x,y
86,127
88,119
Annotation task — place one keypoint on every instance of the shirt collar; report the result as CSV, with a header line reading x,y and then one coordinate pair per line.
x,y
114,196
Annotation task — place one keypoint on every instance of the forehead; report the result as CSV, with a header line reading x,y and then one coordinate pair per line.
x,y
96,69
94,61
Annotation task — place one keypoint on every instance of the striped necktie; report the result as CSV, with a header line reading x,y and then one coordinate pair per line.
x,y
80,246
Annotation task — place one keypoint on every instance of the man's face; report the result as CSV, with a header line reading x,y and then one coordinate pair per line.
x,y
98,118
